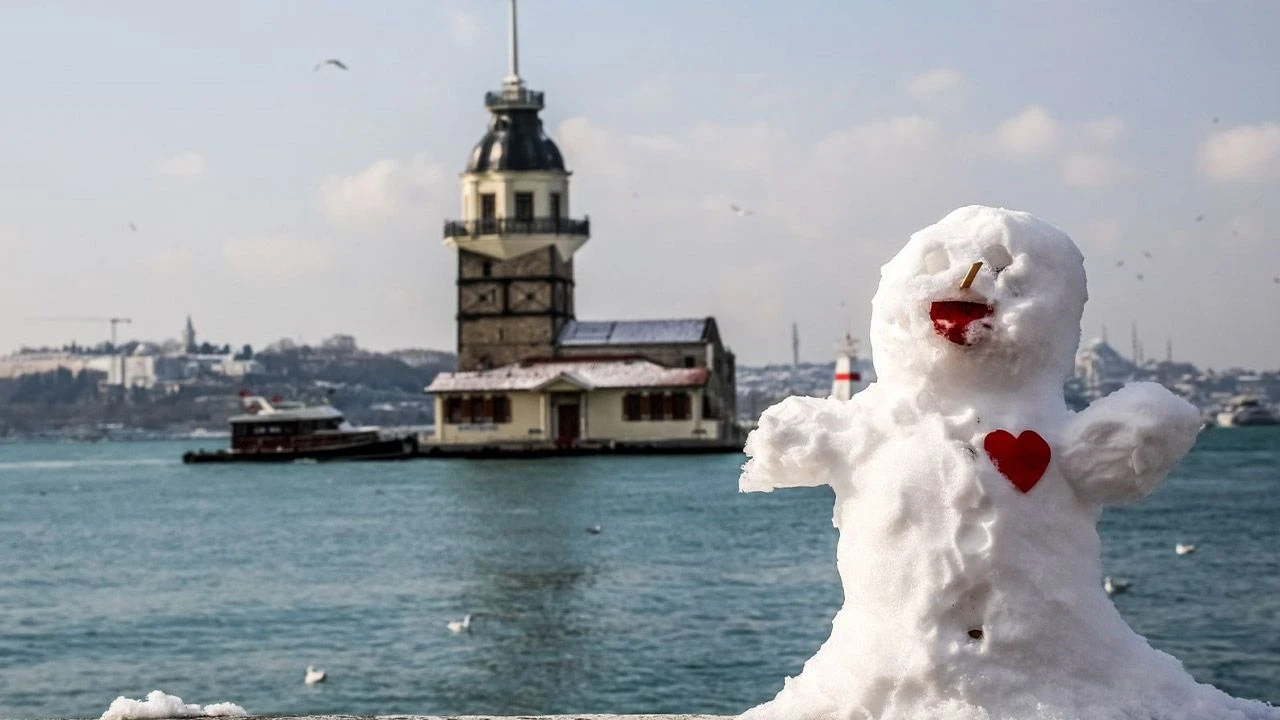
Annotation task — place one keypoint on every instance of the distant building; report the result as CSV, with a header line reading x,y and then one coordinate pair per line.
x,y
1101,368
189,337
528,370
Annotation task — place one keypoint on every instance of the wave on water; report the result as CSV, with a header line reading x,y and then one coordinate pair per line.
x,y
77,464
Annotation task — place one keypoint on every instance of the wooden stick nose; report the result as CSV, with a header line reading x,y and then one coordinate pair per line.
x,y
973,273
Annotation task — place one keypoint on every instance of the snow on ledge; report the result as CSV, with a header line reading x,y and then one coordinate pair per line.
x,y
160,705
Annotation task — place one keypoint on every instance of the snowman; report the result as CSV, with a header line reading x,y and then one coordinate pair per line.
x,y
967,498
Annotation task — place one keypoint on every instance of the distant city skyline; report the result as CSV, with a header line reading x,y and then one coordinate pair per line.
x,y
748,160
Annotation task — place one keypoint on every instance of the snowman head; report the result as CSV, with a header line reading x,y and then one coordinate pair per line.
x,y
1016,325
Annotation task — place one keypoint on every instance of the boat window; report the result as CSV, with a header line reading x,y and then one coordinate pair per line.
x,y
477,409
453,410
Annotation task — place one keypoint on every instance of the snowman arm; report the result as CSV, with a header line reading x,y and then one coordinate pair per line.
x,y
803,442
1119,448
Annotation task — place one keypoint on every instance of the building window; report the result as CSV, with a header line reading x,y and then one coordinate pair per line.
x,y
488,206
708,408
524,206
631,407
658,406
477,409
555,206
680,406
690,361
486,269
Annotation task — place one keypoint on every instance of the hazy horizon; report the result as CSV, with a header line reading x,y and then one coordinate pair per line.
x,y
271,200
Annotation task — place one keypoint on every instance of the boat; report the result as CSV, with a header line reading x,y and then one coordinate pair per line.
x,y
1244,410
287,431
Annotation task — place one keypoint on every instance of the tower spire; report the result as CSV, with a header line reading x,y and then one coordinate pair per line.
x,y
513,50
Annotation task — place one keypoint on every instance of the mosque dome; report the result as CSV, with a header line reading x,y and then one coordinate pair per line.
x,y
515,141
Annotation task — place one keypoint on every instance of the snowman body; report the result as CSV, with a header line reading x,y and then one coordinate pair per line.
x,y
967,497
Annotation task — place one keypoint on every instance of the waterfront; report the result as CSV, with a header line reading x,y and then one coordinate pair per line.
x,y
123,571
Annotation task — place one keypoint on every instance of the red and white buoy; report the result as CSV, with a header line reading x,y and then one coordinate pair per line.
x,y
846,376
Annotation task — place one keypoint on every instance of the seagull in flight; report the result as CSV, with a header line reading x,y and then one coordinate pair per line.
x,y
133,227
1200,217
315,675
460,626
331,61
1146,254
1141,276
739,211
1120,264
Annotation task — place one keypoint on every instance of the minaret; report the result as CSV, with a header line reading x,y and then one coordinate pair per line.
x,y
516,239
845,376
189,337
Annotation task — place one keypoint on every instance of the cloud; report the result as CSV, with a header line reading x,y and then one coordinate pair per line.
x,y
1104,130
894,136
1247,153
188,164
168,261
1090,170
1105,233
462,25
1030,134
275,257
385,189
940,87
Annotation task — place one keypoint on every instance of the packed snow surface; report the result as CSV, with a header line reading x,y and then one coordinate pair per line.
x,y
160,705
967,498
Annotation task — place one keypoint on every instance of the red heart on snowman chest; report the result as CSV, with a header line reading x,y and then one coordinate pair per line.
x,y
1022,459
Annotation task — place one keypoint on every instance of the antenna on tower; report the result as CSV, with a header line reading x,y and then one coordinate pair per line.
x,y
513,48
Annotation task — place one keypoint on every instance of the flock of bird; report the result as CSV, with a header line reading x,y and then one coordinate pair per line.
x,y
1115,586
315,675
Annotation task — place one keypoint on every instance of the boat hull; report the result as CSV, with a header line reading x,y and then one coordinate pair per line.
x,y
395,449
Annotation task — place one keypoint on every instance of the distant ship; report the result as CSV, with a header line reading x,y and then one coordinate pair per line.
x,y
1244,410
280,431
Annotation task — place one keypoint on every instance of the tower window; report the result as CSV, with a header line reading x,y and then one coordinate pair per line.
x,y
555,206
488,206
486,269
524,206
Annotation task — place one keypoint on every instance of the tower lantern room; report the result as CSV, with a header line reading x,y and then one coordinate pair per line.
x,y
516,238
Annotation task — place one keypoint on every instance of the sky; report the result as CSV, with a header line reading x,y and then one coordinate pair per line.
x,y
161,159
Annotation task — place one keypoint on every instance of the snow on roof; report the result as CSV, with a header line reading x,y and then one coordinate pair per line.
x,y
633,373
633,332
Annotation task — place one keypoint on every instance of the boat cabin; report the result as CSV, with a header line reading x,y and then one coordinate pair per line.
x,y
291,427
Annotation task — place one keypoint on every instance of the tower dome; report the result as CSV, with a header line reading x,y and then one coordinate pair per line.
x,y
515,141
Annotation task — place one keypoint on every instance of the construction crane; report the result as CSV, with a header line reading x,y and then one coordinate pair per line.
x,y
113,320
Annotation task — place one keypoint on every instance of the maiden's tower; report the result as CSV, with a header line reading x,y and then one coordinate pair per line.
x,y
531,376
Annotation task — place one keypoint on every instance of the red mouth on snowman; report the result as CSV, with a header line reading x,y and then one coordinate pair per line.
x,y
954,320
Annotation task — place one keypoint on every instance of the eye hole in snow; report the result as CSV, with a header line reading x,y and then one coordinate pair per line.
x,y
936,261
997,258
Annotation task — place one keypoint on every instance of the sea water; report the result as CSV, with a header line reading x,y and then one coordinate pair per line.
x,y
124,571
